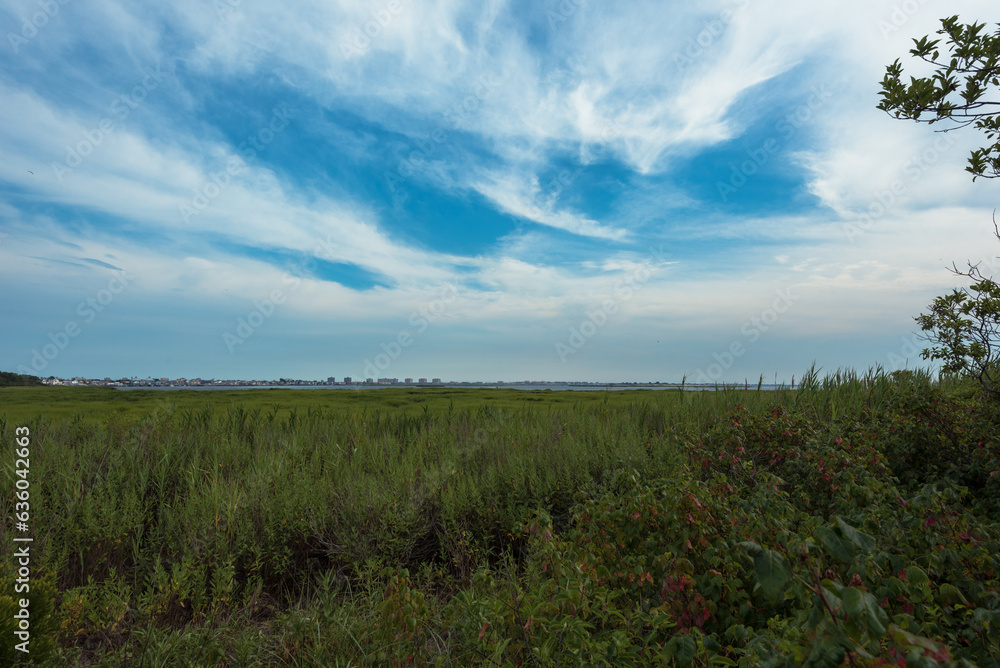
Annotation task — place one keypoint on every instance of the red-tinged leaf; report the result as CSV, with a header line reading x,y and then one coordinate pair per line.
x,y
939,654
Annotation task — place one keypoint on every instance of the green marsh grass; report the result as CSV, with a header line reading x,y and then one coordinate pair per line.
x,y
253,527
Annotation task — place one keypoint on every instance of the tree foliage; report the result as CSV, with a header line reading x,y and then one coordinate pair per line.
x,y
963,89
9,379
964,327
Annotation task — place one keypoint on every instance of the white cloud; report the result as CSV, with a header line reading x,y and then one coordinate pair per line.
x,y
524,198
128,176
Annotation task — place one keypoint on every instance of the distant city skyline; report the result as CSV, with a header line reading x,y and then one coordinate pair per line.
x,y
495,190
347,381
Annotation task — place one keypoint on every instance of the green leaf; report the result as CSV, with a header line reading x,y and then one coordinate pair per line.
x,y
827,654
711,644
862,606
904,638
862,540
916,575
838,547
682,648
951,595
683,565
501,646
773,572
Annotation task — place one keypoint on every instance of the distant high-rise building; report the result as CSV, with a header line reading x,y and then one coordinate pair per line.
x,y
331,380
347,380
422,381
436,381
408,381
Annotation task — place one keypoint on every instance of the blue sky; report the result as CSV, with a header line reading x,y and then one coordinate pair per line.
x,y
560,190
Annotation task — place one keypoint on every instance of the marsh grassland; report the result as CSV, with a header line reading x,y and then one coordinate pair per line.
x,y
852,521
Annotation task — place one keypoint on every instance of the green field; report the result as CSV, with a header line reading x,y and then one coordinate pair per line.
x,y
97,403
851,521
